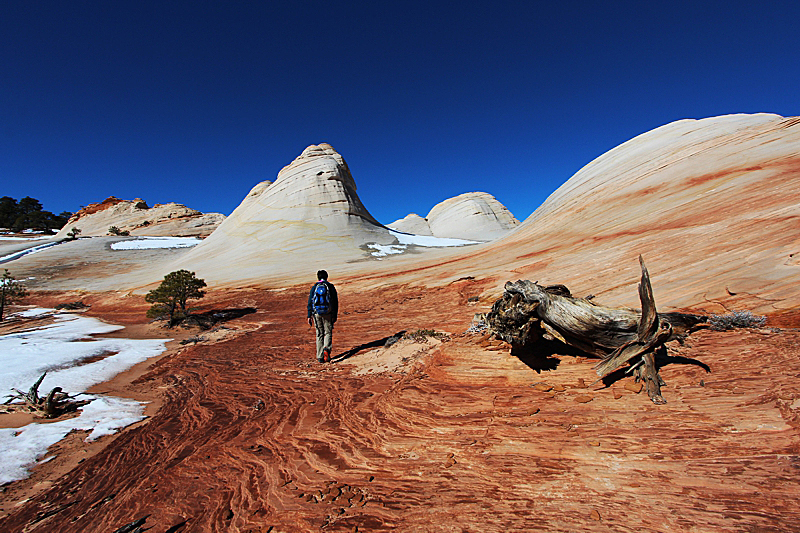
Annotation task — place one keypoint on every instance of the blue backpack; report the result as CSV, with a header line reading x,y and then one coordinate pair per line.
x,y
322,299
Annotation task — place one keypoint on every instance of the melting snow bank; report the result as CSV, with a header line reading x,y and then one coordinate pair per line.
x,y
33,250
382,250
24,239
73,366
23,446
149,243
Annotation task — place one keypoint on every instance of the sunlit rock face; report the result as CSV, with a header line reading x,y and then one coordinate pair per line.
x,y
413,223
713,205
310,216
474,215
136,217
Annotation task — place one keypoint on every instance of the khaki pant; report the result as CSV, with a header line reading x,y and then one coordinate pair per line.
x,y
324,327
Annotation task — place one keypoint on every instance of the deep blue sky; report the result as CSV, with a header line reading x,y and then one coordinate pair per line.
x,y
196,102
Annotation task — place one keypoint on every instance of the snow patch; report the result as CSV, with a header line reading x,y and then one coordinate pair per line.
x,y
23,446
149,243
26,238
426,240
33,250
54,348
406,239
382,250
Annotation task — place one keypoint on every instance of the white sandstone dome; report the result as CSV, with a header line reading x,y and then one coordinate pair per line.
x,y
475,216
310,215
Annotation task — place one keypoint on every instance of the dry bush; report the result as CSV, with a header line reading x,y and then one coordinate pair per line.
x,y
736,319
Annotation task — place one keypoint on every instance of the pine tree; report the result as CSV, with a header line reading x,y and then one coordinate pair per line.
x,y
11,291
169,299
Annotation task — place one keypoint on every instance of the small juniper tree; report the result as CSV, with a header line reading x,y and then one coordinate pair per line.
x,y
73,234
113,230
169,299
11,291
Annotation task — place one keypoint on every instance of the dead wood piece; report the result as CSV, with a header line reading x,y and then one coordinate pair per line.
x,y
55,404
529,312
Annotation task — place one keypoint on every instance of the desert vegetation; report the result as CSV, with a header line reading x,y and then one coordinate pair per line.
x,y
11,291
736,319
28,213
169,299
115,231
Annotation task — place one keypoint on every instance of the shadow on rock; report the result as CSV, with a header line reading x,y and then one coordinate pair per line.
x,y
209,319
386,341
541,354
661,361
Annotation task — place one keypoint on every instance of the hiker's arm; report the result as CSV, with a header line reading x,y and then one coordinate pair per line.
x,y
310,303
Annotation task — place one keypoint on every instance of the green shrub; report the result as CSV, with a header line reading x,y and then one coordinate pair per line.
x,y
169,299
113,230
11,291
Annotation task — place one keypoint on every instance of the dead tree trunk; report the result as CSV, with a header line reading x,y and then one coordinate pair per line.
x,y
528,312
55,404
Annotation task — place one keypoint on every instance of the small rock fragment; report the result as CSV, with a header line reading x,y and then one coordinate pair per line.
x,y
542,387
617,394
595,515
583,398
635,388
559,388
594,443
581,384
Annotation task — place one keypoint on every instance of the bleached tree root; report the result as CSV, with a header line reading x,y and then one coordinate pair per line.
x,y
53,405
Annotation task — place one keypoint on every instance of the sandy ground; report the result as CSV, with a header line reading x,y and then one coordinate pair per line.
x,y
248,433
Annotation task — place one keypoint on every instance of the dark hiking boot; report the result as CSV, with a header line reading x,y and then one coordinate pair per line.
x,y
326,355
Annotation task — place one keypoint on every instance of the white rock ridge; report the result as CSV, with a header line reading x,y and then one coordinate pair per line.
x,y
476,216
136,217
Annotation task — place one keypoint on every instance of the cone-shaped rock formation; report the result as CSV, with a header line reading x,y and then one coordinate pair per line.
x,y
309,216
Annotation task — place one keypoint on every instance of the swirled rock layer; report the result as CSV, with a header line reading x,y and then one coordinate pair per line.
x,y
252,435
713,205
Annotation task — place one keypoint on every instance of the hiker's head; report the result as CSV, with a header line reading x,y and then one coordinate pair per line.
x,y
321,274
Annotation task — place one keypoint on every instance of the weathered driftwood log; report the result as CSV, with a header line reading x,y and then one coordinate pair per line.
x,y
55,404
528,313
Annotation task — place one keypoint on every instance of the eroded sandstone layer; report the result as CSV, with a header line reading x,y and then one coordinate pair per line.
x,y
254,436
135,217
713,205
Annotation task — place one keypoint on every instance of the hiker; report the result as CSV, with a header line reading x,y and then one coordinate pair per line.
x,y
323,307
